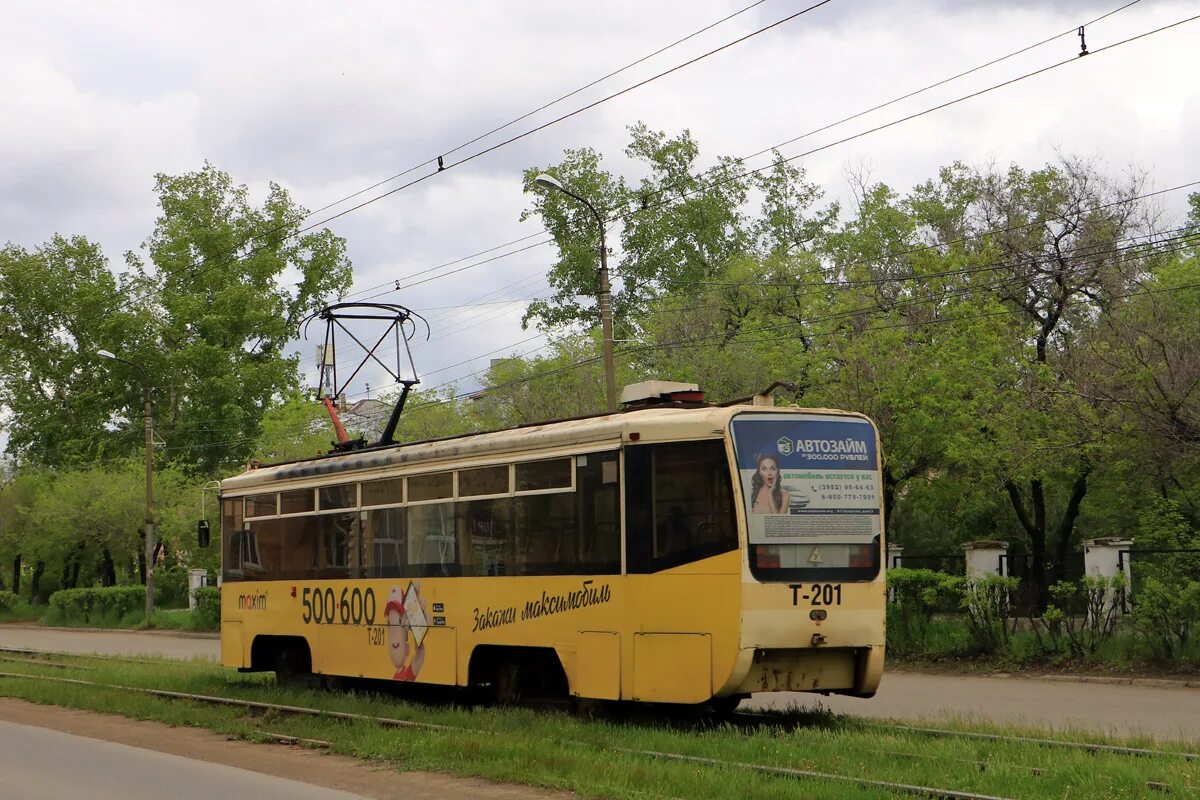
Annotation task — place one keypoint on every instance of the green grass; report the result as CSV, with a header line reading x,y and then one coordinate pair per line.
x,y
176,619
559,751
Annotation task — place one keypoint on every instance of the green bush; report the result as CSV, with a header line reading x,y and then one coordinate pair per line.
x,y
8,601
170,587
207,614
111,605
1077,637
1167,615
13,607
987,601
915,594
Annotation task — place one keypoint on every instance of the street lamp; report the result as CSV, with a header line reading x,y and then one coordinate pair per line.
x,y
605,297
149,480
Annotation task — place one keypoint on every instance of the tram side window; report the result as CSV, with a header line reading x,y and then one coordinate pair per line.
x,y
339,553
678,504
544,534
231,525
384,532
598,510
261,549
432,540
485,536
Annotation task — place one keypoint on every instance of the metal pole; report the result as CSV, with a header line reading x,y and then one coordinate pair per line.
x,y
149,505
606,322
604,291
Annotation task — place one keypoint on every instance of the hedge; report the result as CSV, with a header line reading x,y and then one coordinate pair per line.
x,y
96,606
8,601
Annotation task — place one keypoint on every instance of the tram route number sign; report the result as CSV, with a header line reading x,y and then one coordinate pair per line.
x,y
816,594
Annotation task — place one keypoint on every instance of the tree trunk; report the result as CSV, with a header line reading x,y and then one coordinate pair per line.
x,y
1066,528
16,581
108,569
35,583
141,561
889,497
1035,529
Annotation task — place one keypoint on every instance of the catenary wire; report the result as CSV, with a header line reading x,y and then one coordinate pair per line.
x,y
828,126
492,148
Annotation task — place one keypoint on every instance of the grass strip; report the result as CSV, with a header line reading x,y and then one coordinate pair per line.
x,y
559,751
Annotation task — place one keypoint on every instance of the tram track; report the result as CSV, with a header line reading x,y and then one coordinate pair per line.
x,y
748,719
763,769
769,719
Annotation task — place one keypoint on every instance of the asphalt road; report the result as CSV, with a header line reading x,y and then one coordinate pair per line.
x,y
1161,712
42,764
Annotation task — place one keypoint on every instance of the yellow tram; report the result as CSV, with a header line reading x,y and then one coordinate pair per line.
x,y
675,552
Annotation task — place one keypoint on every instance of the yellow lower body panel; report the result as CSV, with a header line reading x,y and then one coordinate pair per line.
x,y
672,667
233,652
598,665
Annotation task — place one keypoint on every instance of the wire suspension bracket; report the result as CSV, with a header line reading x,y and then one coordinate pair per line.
x,y
400,324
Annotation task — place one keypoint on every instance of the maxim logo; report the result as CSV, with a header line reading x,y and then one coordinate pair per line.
x,y
785,446
252,602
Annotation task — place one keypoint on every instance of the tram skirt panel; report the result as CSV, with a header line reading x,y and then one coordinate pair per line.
x,y
672,667
598,666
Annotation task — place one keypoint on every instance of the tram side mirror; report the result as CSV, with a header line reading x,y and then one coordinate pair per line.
x,y
203,534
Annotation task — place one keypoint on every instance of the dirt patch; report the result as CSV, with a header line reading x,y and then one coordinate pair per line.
x,y
283,761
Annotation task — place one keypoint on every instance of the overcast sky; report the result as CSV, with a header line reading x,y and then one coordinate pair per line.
x,y
328,98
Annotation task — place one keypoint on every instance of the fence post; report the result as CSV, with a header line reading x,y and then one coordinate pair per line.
x,y
1102,558
986,558
895,558
196,578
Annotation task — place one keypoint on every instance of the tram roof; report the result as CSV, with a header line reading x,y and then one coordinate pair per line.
x,y
667,422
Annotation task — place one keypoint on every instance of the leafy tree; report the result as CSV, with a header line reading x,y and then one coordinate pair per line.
x,y
59,304
297,427
223,321
678,227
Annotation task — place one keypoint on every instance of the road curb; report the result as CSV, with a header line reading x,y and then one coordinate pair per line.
x,y
1111,680
154,632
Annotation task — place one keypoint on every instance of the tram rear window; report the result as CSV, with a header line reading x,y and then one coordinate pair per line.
x,y
812,496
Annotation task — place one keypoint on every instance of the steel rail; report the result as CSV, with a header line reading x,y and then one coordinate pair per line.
x,y
786,772
767,719
1089,746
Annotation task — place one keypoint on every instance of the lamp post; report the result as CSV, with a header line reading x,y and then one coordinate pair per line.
x,y
149,418
605,295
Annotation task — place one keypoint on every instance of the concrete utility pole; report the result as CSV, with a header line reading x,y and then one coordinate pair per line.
x,y
605,294
148,416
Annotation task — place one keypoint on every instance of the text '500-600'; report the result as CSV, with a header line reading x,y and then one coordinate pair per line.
x,y
351,607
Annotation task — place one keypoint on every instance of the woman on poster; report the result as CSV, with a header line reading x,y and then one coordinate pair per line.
x,y
774,500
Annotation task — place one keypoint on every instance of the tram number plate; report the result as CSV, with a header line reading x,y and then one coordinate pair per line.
x,y
816,594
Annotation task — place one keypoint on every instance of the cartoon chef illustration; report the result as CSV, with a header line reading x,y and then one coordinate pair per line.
x,y
406,626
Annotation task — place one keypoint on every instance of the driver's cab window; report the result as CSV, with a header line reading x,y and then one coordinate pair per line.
x,y
678,504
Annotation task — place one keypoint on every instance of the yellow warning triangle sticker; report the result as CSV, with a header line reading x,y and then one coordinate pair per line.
x,y
815,556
